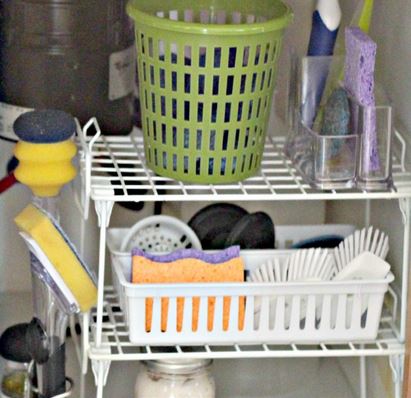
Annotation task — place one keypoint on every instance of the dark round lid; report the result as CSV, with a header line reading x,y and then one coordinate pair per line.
x,y
45,126
213,224
13,345
253,231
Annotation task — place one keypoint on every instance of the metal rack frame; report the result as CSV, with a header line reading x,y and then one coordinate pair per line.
x,y
112,170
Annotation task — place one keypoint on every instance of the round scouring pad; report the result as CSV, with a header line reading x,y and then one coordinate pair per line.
x,y
46,126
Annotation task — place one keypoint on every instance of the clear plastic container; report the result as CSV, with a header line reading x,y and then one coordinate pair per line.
x,y
375,164
326,162
360,159
175,378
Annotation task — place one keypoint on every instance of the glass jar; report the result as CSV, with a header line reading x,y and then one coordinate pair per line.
x,y
14,380
175,379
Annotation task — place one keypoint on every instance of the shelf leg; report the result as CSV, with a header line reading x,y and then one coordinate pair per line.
x,y
363,377
82,385
396,365
85,333
103,209
405,207
100,375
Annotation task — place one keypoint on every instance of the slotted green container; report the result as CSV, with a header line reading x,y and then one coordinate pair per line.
x,y
206,72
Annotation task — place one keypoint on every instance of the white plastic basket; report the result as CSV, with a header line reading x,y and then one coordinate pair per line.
x,y
288,312
160,233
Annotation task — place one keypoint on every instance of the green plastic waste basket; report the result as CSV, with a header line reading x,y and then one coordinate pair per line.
x,y
206,77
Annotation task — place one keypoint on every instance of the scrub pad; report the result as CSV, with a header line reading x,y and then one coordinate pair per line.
x,y
359,66
189,271
61,253
47,126
359,82
45,150
211,258
336,121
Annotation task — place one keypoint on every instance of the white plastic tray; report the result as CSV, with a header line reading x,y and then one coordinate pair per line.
x,y
286,312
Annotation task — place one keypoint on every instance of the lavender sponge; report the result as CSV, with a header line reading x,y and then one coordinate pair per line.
x,y
211,258
359,82
359,66
47,126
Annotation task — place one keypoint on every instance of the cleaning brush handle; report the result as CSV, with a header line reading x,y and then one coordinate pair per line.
x,y
325,23
7,182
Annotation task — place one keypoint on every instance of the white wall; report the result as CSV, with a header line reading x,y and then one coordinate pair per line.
x,y
392,30
14,262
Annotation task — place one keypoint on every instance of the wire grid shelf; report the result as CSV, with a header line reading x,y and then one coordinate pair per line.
x,y
116,345
113,168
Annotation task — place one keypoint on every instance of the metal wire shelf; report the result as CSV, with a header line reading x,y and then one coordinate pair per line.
x,y
117,347
114,170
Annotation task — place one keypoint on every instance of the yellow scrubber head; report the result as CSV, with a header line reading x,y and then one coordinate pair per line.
x,y
45,168
61,253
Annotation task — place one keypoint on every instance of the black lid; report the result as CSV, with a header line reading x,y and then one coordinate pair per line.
x,y
253,231
13,345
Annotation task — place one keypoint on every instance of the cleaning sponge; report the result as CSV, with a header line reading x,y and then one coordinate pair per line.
x,y
46,126
61,253
45,150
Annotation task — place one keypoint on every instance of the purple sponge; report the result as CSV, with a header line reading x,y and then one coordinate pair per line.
x,y
359,66
359,82
211,258
47,126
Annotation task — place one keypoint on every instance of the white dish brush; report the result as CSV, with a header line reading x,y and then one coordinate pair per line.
x,y
271,271
365,240
305,265
310,265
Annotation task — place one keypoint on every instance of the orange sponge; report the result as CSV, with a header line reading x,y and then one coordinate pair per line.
x,y
189,270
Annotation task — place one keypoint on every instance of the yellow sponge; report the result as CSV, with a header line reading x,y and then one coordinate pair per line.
x,y
45,168
61,254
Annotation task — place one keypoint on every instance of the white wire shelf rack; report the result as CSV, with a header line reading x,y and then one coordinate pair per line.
x,y
117,347
114,169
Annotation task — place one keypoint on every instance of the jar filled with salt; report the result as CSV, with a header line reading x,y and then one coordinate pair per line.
x,y
182,378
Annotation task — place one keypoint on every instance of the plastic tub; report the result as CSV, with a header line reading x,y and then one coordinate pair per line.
x,y
325,162
360,159
293,312
206,78
311,312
